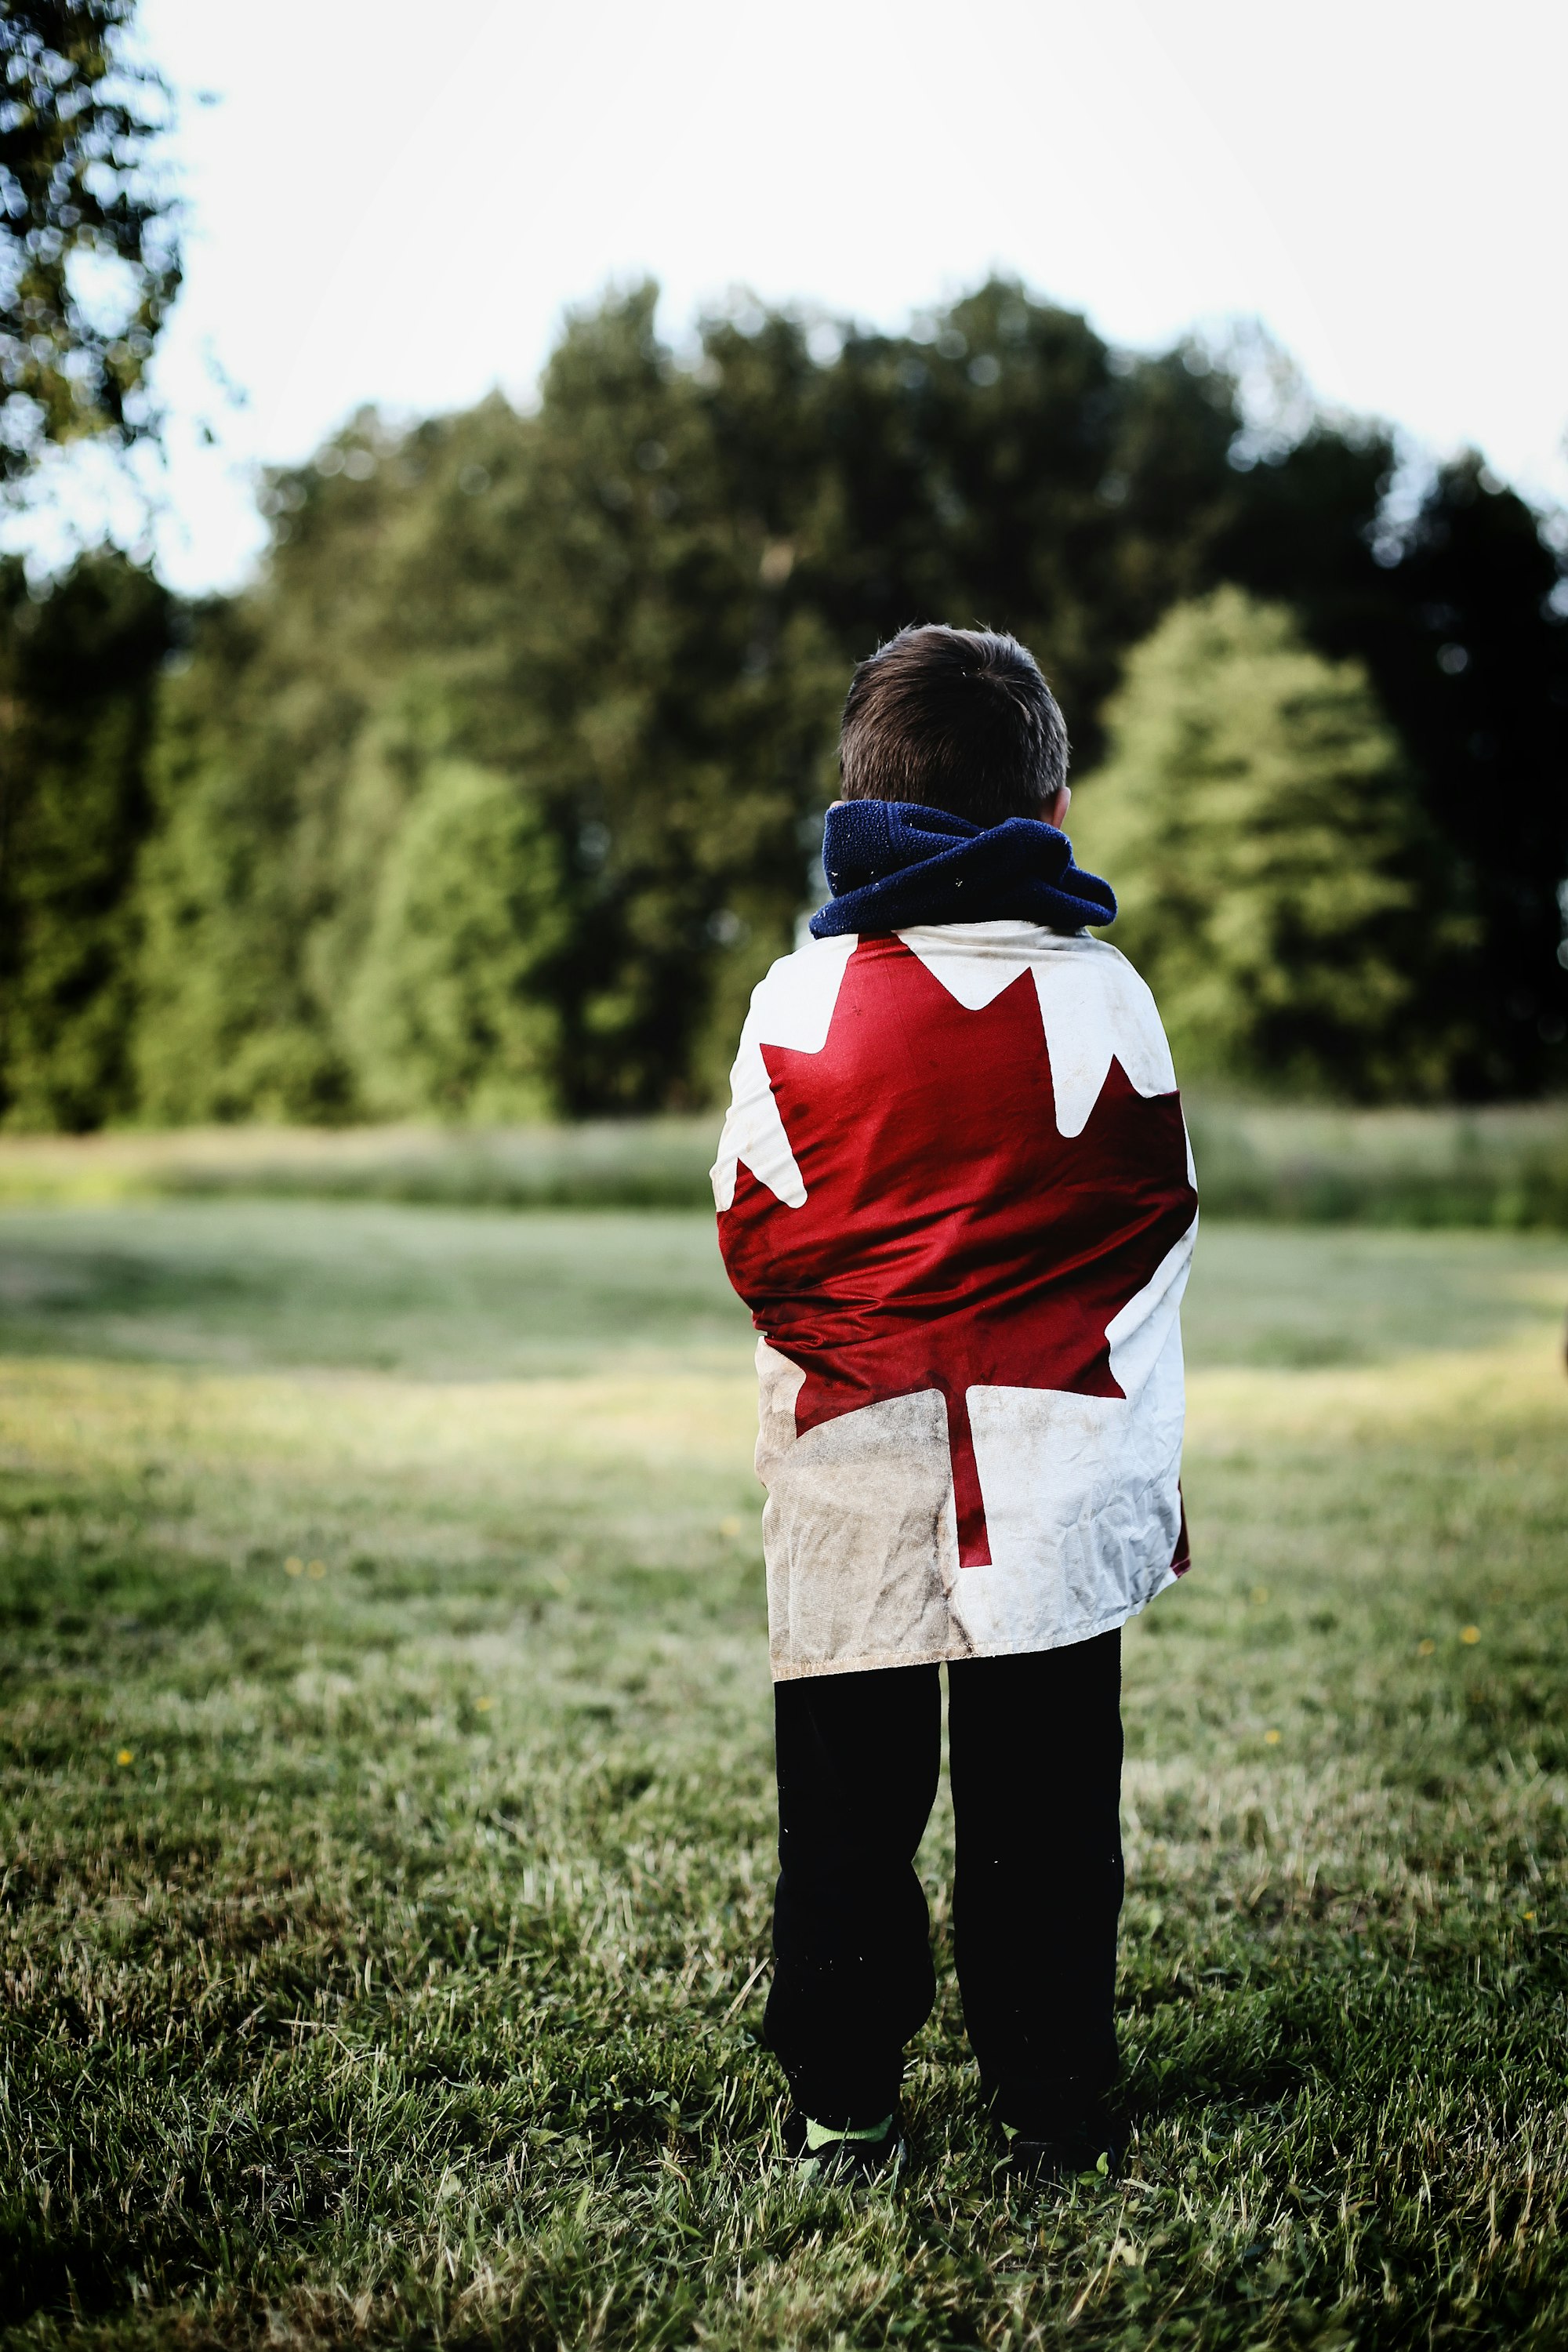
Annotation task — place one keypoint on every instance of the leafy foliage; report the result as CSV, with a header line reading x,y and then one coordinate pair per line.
x,y
454,1010
1278,885
569,601
1002,463
78,668
1460,618
89,243
636,608
640,604
1474,677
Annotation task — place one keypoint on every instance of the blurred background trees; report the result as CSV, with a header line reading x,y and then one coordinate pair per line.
x,y
1279,885
89,263
78,678
500,786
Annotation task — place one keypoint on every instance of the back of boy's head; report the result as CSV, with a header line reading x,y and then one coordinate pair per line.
x,y
958,719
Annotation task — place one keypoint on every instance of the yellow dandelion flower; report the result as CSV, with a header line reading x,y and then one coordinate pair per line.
x,y
293,1565
1272,1739
1260,1592
1424,1649
1469,1633
1529,1917
728,1527
125,1756
484,1704
316,1569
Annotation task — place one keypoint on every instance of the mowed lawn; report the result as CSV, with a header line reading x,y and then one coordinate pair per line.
x,y
386,1813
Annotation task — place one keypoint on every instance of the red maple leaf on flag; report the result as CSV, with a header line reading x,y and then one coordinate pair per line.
x,y
950,1236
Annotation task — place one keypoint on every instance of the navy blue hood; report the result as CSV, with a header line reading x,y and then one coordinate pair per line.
x,y
891,863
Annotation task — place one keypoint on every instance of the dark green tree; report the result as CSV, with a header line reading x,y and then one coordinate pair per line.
x,y
254,761
77,671
692,714
1472,665
88,267
1458,616
1001,465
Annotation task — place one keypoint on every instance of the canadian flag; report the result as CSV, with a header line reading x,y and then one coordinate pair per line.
x,y
955,1190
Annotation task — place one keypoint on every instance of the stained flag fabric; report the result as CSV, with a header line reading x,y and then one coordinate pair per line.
x,y
955,1190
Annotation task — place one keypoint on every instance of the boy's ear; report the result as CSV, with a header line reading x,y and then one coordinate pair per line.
x,y
1055,809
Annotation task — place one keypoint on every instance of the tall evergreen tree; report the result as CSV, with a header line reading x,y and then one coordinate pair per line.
x,y
455,1007
1277,885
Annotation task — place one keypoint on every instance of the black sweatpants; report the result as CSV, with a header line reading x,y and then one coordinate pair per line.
x,y
1034,1757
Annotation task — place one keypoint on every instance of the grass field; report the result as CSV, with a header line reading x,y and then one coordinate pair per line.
x,y
386,1813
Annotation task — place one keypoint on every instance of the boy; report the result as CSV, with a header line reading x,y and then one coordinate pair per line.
x,y
955,1190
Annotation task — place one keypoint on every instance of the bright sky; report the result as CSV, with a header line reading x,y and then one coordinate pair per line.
x,y
394,202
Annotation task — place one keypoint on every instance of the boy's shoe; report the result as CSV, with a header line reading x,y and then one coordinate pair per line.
x,y
825,2154
1065,2146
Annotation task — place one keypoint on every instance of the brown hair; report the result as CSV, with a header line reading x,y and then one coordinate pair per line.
x,y
959,719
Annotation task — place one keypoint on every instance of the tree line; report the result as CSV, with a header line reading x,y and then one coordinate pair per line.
x,y
497,790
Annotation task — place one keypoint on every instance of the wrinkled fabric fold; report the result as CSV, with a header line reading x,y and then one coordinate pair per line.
x,y
892,864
